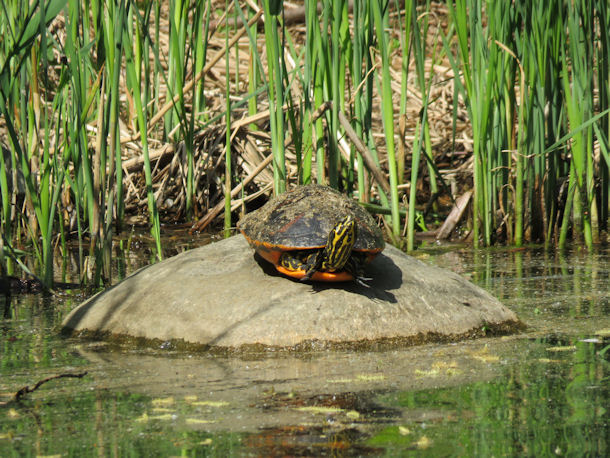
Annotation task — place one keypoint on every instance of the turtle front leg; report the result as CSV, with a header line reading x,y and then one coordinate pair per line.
x,y
355,267
312,265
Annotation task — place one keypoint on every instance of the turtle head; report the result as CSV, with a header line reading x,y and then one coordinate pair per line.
x,y
341,240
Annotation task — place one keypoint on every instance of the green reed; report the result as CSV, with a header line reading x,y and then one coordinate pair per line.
x,y
416,39
323,81
114,46
530,81
534,78
359,71
51,150
380,16
253,72
178,19
26,122
338,68
474,67
275,87
64,157
228,187
313,88
134,86
406,48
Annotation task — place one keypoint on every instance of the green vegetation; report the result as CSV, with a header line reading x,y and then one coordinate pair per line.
x,y
352,97
539,112
508,416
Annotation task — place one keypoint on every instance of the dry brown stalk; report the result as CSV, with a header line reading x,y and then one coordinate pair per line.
x,y
214,212
367,156
192,82
454,216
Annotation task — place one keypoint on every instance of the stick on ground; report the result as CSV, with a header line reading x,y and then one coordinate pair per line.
x,y
26,389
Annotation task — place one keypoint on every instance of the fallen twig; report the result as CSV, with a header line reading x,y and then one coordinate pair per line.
x,y
26,389
367,156
454,217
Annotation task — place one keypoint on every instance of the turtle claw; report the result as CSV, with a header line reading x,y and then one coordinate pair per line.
x,y
306,277
362,281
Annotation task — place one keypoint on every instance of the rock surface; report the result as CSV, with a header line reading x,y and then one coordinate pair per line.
x,y
222,295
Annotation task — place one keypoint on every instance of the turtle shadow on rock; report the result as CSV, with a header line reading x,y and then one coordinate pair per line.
x,y
384,275
266,266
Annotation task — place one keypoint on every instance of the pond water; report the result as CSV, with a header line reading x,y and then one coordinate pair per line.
x,y
542,392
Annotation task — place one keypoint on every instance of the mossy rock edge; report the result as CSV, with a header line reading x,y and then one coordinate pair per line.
x,y
222,295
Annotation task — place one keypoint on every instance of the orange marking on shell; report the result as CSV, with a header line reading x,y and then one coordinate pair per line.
x,y
286,226
272,252
317,276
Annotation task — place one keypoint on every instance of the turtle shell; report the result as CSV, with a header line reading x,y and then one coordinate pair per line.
x,y
301,219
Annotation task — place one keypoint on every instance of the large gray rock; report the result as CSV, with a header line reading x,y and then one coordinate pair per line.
x,y
222,295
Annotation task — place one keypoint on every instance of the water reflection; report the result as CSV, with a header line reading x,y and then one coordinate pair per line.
x,y
541,393
538,284
544,406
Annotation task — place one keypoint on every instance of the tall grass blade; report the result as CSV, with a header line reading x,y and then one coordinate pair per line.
x,y
275,68
380,15
228,187
134,86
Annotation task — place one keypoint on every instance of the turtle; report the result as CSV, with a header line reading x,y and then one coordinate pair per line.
x,y
314,233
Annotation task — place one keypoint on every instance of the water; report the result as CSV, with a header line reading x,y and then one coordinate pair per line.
x,y
542,392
